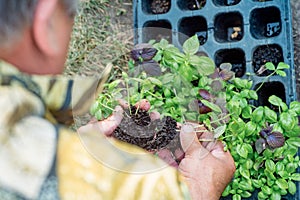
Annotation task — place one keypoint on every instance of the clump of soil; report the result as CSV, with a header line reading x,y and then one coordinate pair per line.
x,y
137,128
160,6
195,4
264,54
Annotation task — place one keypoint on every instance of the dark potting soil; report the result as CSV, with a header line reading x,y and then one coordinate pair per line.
x,y
264,54
160,6
137,128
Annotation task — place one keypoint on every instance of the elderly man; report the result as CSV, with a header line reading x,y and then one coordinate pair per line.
x,y
42,159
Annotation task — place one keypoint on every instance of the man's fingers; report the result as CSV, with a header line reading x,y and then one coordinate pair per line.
x,y
154,115
108,125
189,141
143,104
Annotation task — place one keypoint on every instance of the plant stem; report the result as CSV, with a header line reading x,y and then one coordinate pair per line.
x,y
265,79
220,119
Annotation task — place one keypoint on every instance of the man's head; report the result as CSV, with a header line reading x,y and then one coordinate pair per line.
x,y
34,34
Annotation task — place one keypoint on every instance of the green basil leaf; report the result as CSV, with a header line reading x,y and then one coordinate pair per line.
x,y
295,106
226,192
191,45
245,173
270,165
270,66
243,185
204,65
279,167
155,81
281,73
256,183
270,115
295,177
292,187
290,168
258,114
253,94
219,131
283,65
275,196
287,121
262,195
282,183
274,100
283,174
250,128
242,150
236,197
247,112
212,106
246,194
266,190
294,141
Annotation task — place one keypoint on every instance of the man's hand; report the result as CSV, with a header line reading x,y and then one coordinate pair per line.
x,y
108,125
206,167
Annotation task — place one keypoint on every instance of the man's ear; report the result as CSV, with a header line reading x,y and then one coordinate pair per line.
x,y
43,29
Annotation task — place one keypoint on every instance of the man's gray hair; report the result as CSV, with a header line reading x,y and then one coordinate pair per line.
x,y
15,15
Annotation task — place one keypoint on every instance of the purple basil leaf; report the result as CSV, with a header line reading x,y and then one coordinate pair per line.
x,y
216,86
226,75
275,140
143,52
151,68
266,131
205,94
260,145
203,109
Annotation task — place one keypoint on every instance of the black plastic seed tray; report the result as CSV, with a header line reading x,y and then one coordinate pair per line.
x,y
246,33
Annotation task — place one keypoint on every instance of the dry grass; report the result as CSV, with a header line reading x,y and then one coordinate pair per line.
x,y
102,34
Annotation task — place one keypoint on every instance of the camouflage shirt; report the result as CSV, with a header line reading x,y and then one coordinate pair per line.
x,y
40,158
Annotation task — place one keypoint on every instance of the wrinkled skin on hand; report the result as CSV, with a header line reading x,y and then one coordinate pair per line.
x,y
206,167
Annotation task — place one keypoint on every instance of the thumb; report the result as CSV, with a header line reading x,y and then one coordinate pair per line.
x,y
189,141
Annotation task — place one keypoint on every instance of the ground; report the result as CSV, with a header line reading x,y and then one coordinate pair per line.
x,y
103,34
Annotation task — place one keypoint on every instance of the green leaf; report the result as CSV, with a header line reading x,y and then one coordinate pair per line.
x,y
191,45
242,151
155,81
287,121
270,115
275,196
244,185
212,106
258,114
204,65
256,183
245,173
279,167
270,165
266,190
282,183
294,141
295,106
253,94
281,73
283,65
236,197
295,177
274,100
292,187
246,194
270,66
219,131
250,128
261,195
